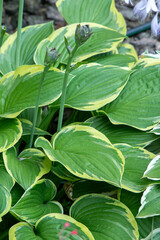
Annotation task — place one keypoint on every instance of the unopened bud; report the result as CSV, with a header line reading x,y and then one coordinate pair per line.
x,y
82,34
51,56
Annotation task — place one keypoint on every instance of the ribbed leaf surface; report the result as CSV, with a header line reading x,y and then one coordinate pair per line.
x,y
101,11
86,153
107,218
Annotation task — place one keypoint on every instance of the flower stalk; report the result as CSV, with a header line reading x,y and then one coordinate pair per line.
x,y
82,34
18,42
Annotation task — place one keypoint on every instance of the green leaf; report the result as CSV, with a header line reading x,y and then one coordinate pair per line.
x,y
127,50
27,128
113,59
150,202
141,96
10,132
121,133
145,225
16,193
19,89
26,168
30,38
5,179
136,161
49,227
86,153
5,200
153,169
107,218
102,40
36,202
101,11
94,85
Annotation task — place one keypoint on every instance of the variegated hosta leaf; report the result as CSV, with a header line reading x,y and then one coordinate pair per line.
x,y
154,147
36,202
127,49
113,59
150,202
19,89
106,218
27,128
5,201
10,132
26,168
121,133
101,11
138,103
136,161
153,169
5,179
30,38
102,40
86,153
146,225
155,234
94,85
49,227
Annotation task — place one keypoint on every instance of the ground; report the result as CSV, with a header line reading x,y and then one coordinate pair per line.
x,y
40,11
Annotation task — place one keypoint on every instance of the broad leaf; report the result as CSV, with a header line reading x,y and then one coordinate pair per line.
x,y
5,200
26,168
136,161
156,130
107,218
102,40
101,11
121,133
94,85
19,89
154,147
150,202
153,235
138,103
127,50
36,202
5,179
86,153
10,132
146,225
51,227
30,38
113,59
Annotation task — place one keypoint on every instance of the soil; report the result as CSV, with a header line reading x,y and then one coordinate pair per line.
x,y
41,11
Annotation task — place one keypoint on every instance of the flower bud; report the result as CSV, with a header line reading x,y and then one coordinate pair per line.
x,y
82,34
51,56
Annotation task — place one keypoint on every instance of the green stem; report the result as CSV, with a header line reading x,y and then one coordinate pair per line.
x,y
61,111
46,68
1,11
18,43
152,228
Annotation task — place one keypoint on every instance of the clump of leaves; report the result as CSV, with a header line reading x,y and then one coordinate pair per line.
x,y
95,173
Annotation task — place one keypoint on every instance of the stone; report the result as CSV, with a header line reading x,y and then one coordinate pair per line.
x,y
32,6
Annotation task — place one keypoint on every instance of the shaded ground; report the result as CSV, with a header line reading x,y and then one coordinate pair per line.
x,y
40,11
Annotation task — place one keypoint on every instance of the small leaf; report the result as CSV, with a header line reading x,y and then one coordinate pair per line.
x,y
10,133
28,167
36,202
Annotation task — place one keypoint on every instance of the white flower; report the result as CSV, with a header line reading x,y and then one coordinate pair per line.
x,y
128,2
155,26
144,7
151,5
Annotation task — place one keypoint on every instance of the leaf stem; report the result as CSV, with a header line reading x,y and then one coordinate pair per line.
x,y
18,42
1,11
61,111
46,68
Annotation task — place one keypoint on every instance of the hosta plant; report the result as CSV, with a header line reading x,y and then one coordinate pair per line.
x,y
93,172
